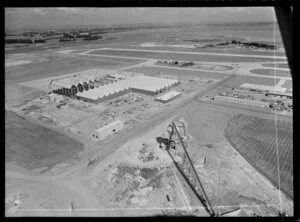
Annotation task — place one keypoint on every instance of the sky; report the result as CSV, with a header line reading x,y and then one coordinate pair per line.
x,y
47,17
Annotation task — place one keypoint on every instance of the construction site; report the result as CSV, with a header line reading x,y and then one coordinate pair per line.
x,y
145,124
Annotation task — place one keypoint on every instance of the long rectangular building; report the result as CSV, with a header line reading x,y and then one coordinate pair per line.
x,y
168,96
241,101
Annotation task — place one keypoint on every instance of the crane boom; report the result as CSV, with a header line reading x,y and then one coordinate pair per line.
x,y
190,164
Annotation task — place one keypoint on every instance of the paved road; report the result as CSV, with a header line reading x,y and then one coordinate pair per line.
x,y
243,69
192,53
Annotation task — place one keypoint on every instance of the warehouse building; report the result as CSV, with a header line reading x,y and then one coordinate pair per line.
x,y
105,131
139,84
242,101
151,85
282,95
168,96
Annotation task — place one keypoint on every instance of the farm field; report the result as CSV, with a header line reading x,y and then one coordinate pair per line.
x,y
177,72
271,72
184,57
238,80
255,139
277,65
32,146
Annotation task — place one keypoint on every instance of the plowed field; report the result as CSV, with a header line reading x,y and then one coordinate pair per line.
x,y
257,140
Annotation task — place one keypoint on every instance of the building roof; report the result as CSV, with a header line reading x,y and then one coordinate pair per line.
x,y
111,124
279,93
242,100
168,95
116,76
152,84
147,83
105,90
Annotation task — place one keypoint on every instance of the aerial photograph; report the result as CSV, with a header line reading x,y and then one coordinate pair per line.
x,y
147,112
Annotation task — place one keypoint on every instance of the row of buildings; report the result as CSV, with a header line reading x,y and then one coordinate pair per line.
x,y
270,90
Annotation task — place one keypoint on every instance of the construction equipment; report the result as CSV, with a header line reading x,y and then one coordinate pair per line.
x,y
187,169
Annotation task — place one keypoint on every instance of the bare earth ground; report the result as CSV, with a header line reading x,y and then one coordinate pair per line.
x,y
109,178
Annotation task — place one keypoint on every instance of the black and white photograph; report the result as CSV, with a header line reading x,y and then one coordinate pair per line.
x,y
148,112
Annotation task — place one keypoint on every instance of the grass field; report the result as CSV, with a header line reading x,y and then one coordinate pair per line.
x,y
184,57
257,141
277,65
271,72
32,146
238,80
57,67
177,72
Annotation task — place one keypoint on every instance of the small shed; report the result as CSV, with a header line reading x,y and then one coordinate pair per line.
x,y
104,131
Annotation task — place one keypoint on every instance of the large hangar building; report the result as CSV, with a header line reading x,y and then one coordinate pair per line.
x,y
140,84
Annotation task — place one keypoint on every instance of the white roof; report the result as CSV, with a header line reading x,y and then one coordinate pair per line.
x,y
150,83
138,82
168,95
104,90
116,76
241,100
116,122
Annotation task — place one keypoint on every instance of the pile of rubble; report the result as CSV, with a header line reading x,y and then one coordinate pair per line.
x,y
16,200
133,185
145,155
281,106
236,95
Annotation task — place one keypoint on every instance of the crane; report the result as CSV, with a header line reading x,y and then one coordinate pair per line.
x,y
187,168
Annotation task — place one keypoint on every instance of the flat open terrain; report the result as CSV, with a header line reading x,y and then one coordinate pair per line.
x,y
177,72
288,84
184,57
32,146
277,65
29,72
211,50
258,140
238,80
271,72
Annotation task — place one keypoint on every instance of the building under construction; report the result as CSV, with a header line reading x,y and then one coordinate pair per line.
x,y
90,86
71,85
139,84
